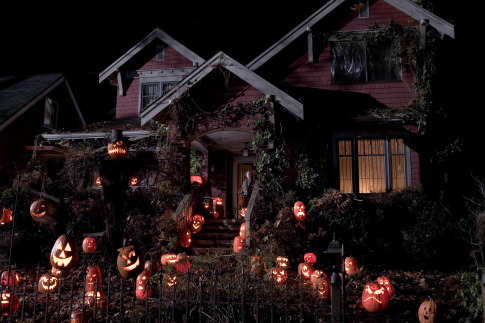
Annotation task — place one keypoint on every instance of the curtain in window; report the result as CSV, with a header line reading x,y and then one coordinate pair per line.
x,y
345,165
150,92
348,62
371,161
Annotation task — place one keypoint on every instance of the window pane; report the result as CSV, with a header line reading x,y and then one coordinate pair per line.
x,y
397,164
345,165
150,92
348,62
381,65
372,175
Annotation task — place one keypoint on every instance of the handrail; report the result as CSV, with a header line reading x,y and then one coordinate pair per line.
x,y
183,213
249,210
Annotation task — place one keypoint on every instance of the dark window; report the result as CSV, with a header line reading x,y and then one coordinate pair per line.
x,y
154,90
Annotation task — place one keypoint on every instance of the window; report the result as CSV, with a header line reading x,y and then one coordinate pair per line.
x,y
352,62
372,165
50,113
364,11
154,90
161,53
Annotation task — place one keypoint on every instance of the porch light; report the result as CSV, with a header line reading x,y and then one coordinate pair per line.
x,y
245,150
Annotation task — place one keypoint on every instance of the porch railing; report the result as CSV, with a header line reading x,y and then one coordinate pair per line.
x,y
183,213
249,211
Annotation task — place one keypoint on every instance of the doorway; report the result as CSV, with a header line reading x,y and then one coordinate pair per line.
x,y
240,166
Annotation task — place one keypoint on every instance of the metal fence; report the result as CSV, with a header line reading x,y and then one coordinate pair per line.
x,y
193,297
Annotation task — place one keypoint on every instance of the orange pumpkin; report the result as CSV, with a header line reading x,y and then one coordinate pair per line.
x,y
133,181
64,255
386,282
375,297
94,298
305,270
47,283
185,238
238,244
9,300
428,311
196,179
350,265
197,223
41,209
322,287
10,279
130,262
143,288
242,231
317,273
152,266
170,280
242,212
282,261
98,182
93,278
118,149
310,258
6,216
279,275
299,211
89,244
169,259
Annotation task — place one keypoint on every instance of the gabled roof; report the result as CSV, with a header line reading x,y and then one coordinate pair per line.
x,y
222,60
156,33
407,6
19,93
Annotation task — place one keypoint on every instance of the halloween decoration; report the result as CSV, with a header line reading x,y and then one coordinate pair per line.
x,y
196,179
257,266
322,287
152,266
64,254
117,147
98,182
9,300
89,244
10,279
78,316
218,200
207,206
48,283
41,209
185,238
242,212
428,311
310,258
170,279
386,282
169,259
93,278
242,231
350,265
143,288
299,211
93,298
183,265
197,223
215,215
6,216
282,261
130,262
305,270
279,275
375,297
58,273
238,244
133,181
317,273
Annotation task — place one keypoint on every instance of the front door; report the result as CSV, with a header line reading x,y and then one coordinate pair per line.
x,y
240,166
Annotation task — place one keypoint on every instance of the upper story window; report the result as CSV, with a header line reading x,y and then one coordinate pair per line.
x,y
372,165
50,113
154,90
352,62
364,11
161,52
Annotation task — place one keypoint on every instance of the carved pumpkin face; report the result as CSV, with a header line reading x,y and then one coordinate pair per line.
x,y
242,231
152,266
64,254
242,212
89,244
78,316
317,273
117,149
98,182
375,297
8,299
310,258
143,288
428,312
133,181
282,261
185,238
299,211
170,279
218,200
278,275
129,262
47,283
321,287
350,266
305,270
207,203
386,282
238,244
41,209
196,179
6,216
169,259
93,298
197,223
93,278
9,279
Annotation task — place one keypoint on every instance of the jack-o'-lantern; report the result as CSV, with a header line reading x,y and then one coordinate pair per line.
x,y
197,223
238,244
257,266
196,179
207,204
133,181
95,298
47,283
428,311
350,265
89,244
64,254
375,297
93,278
152,266
215,215
317,273
80,316
169,259
218,200
9,300
10,278
118,149
185,238
170,280
242,212
6,216
143,288
299,211
305,270
282,261
183,265
321,287
98,182
310,258
41,209
130,262
384,280
242,231
279,275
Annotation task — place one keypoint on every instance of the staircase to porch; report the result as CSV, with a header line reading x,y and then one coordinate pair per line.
x,y
217,236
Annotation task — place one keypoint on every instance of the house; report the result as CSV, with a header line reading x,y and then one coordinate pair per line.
x,y
29,105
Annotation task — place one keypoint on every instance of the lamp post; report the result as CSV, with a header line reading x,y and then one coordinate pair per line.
x,y
335,255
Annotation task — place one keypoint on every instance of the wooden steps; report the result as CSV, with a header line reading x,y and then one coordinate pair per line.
x,y
217,236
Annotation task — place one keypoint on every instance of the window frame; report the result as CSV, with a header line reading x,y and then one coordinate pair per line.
x,y
163,87
51,113
354,137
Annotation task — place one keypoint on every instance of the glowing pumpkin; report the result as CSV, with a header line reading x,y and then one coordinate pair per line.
x,y
41,209
64,254
89,244
10,279
350,265
98,182
242,231
317,273
279,275
375,297
130,262
305,270
299,211
80,316
170,280
197,223
386,282
9,300
47,283
185,238
310,258
322,287
118,149
196,179
6,216
95,298
428,311
133,181
93,278
169,259
238,244
282,261
242,212
143,288
152,266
